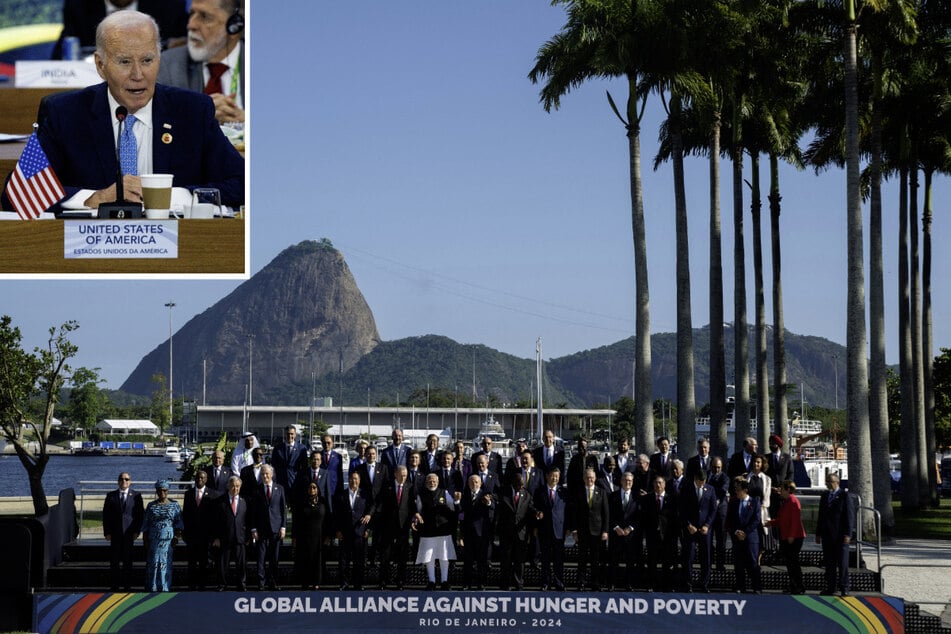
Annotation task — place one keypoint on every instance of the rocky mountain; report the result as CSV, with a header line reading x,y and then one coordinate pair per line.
x,y
302,312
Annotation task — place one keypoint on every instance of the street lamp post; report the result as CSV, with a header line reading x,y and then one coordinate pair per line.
x,y
170,305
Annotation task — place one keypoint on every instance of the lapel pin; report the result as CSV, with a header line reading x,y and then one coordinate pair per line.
x,y
167,126
166,138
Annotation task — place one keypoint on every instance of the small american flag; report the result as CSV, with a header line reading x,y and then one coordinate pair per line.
x,y
33,187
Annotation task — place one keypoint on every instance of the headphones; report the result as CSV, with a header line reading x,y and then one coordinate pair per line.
x,y
235,23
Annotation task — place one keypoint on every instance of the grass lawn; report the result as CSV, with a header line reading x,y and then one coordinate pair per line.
x,y
929,523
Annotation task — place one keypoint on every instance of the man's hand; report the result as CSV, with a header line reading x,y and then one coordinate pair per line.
x,y
132,193
226,108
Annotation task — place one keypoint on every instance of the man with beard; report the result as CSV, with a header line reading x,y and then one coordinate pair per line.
x,y
435,523
213,61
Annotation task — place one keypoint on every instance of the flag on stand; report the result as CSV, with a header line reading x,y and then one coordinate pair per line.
x,y
33,186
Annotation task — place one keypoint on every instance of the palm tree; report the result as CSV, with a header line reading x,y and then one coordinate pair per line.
x,y
600,40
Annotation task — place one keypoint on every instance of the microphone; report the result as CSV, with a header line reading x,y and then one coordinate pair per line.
x,y
120,208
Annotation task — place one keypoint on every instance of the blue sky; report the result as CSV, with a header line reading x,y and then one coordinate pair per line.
x,y
409,135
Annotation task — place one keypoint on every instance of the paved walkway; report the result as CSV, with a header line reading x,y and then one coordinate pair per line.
x,y
919,571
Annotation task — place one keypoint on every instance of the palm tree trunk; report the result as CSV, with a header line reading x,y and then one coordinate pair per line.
x,y
686,401
927,340
909,452
781,425
718,435
878,388
741,367
643,399
917,366
759,294
860,474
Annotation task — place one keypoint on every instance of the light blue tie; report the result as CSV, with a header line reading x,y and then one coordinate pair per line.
x,y
128,151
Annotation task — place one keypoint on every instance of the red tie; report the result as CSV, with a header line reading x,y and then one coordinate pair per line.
x,y
551,496
516,498
234,506
269,493
215,71
399,493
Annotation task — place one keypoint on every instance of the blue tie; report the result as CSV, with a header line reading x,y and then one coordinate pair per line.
x,y
128,152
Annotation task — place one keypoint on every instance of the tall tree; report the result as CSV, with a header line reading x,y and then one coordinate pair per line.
x,y
613,39
86,400
30,385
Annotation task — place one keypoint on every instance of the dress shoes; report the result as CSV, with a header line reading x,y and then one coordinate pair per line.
x,y
444,586
431,585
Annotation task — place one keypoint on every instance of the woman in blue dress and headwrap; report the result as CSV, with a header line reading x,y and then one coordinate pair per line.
x,y
161,530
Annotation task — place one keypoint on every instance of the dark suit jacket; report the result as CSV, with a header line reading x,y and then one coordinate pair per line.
x,y
552,524
77,135
249,483
630,465
381,476
591,520
667,470
693,466
749,522
349,519
456,481
660,524
495,462
269,516
389,458
737,465
623,515
535,480
231,528
513,521
180,70
424,457
222,485
396,515
477,515
117,521
609,483
698,512
81,17
836,517
304,478
490,482
558,460
779,470
287,463
333,463
198,518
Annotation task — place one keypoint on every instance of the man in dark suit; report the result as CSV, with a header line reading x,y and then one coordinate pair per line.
x,y
333,463
661,531
609,478
288,458
623,509
459,461
231,533
548,456
481,469
580,462
429,458
177,133
662,461
494,459
396,453
218,473
742,523
251,475
268,527
779,468
314,473
514,516
396,509
354,511
699,462
81,17
197,517
122,515
478,512
623,458
835,527
514,464
551,503
697,509
590,523
450,476
373,475
532,476
214,38
741,462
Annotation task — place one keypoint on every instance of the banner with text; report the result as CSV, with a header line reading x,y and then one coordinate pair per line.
x,y
440,612
122,239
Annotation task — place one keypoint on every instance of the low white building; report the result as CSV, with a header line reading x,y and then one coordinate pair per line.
x,y
127,427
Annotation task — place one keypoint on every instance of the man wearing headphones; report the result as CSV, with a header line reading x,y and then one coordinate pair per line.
x,y
213,61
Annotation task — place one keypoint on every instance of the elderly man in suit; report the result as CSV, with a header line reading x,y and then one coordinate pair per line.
x,y
477,516
835,527
741,462
231,532
197,516
122,515
213,59
549,456
396,509
551,504
167,130
268,527
701,461
288,458
697,508
661,531
623,510
354,511
514,518
590,526
218,473
493,458
333,463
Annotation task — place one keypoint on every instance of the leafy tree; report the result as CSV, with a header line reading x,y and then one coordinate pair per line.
x,y
159,409
30,385
86,401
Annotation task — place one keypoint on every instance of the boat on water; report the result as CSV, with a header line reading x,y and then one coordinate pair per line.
x,y
493,430
173,454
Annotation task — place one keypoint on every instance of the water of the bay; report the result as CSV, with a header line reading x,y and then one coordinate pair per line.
x,y
64,472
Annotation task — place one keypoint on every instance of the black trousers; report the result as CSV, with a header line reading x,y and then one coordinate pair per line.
x,y
790,553
120,561
235,551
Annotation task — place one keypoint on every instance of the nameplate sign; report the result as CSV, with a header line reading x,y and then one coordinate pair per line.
x,y
55,74
120,239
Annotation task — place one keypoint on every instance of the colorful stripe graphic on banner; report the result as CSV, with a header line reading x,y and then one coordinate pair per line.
x,y
109,612
857,615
